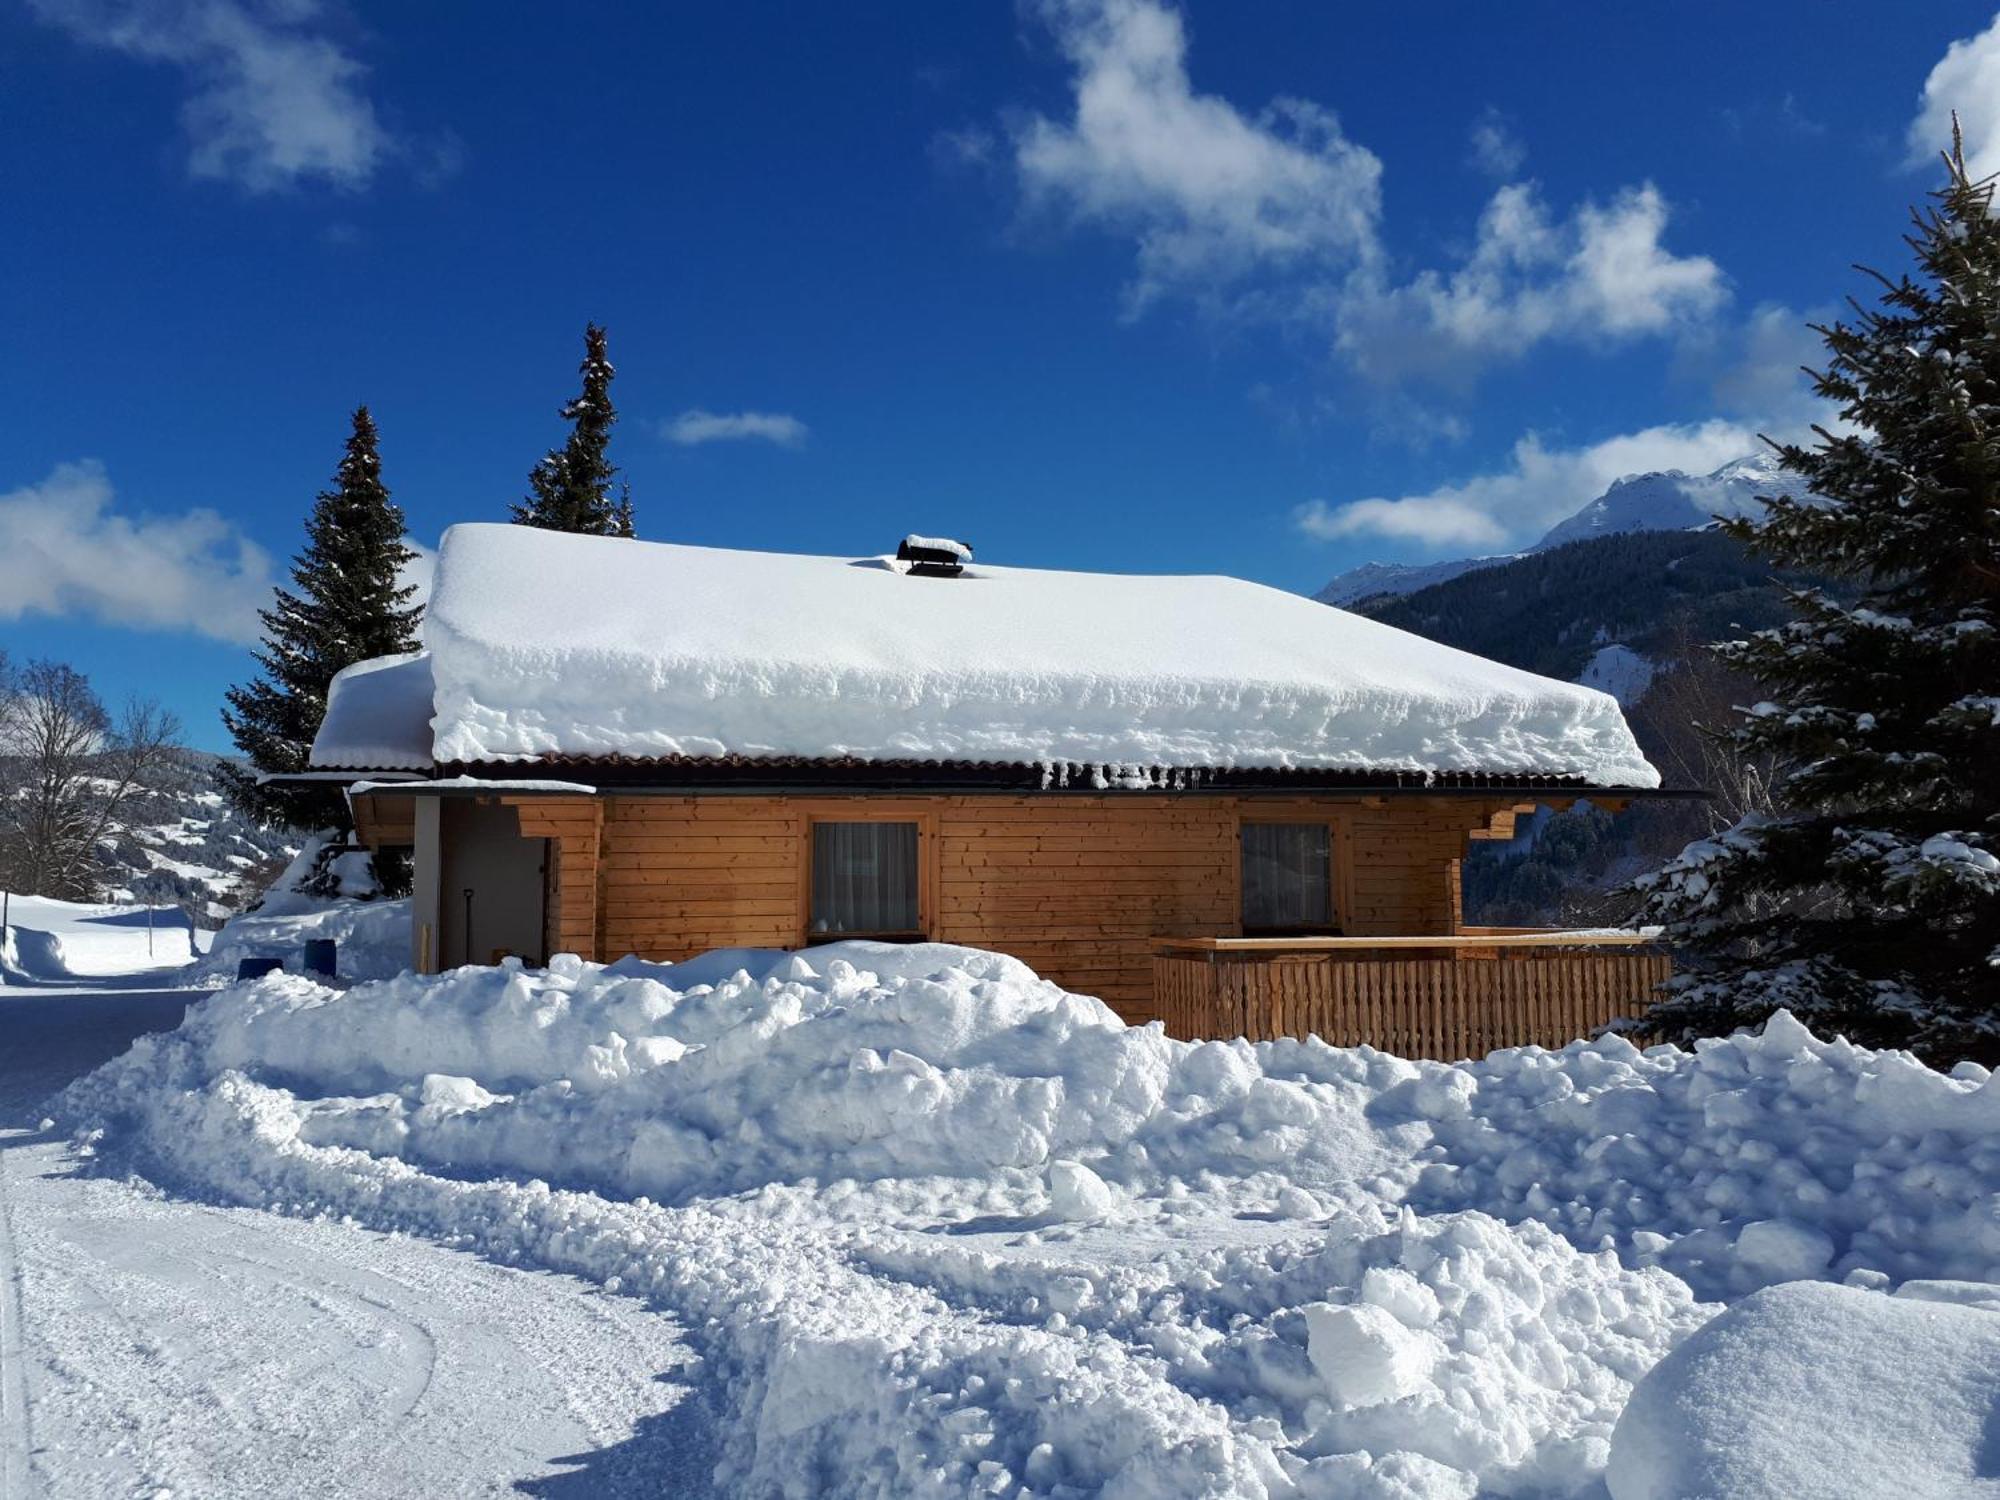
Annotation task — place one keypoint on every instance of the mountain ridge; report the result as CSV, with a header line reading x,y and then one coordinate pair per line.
x,y
1659,500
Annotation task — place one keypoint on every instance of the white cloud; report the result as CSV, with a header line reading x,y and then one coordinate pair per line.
x,y
1494,148
698,426
1758,388
1599,276
272,101
1966,79
1538,486
1207,191
1765,376
64,551
1281,211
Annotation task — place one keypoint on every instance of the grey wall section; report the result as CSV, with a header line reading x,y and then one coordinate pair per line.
x,y
424,887
492,875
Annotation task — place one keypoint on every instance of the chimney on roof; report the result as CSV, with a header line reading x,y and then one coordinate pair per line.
x,y
933,556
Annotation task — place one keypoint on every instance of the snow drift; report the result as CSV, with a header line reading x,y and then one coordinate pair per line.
x,y
1828,1391
371,935
951,1229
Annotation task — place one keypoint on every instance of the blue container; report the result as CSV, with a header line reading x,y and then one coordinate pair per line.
x,y
257,968
320,957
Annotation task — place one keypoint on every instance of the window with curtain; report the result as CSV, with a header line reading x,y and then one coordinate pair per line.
x,y
864,880
1287,877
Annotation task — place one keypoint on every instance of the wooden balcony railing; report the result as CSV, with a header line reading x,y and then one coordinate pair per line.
x,y
1440,997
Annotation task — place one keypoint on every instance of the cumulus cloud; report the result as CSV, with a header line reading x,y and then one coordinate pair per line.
x,y
272,99
1494,148
1280,210
1757,383
1206,190
1764,371
1966,79
66,551
1538,486
1600,275
698,426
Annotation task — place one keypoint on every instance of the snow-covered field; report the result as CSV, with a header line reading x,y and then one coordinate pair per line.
x,y
933,1226
47,941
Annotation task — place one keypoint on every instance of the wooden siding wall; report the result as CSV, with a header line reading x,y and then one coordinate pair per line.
x,y
1075,886
574,829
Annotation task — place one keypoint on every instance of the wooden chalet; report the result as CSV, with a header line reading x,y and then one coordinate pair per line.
x,y
1207,802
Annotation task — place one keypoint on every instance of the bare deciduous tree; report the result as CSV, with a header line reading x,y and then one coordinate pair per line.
x,y
1686,721
67,770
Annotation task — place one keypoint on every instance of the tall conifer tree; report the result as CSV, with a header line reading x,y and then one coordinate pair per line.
x,y
570,489
1873,907
347,604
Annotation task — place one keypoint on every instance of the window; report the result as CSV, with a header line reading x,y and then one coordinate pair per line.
x,y
1287,877
864,880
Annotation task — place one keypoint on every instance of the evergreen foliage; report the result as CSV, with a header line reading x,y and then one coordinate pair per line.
x,y
347,604
570,489
1872,904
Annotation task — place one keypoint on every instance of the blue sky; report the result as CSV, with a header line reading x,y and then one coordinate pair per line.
x,y
1268,290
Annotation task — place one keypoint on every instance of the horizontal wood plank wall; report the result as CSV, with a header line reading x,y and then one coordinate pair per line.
x,y
1076,887
574,827
1444,1008
1405,872
685,874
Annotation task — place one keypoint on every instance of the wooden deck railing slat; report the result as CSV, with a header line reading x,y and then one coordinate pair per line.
x,y
1460,999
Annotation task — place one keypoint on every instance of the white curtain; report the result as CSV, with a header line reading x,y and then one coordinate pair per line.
x,y
864,878
1287,877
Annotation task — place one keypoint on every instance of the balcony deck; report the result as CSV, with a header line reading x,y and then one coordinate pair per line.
x,y
1444,997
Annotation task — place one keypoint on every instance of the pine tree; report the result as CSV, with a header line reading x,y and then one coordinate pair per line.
x,y
1872,905
570,489
347,605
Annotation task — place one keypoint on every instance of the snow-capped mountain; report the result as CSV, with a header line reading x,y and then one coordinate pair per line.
x,y
1669,500
1371,580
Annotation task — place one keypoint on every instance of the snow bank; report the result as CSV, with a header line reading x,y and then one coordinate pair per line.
x,y
858,1060
372,938
950,1229
371,935
548,644
1755,1159
1828,1391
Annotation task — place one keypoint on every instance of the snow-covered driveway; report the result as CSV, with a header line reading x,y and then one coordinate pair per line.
x,y
154,1345
935,1227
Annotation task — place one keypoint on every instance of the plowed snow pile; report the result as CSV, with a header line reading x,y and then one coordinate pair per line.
x,y
951,1230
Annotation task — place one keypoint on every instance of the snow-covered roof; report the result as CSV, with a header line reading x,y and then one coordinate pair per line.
x,y
544,644
378,716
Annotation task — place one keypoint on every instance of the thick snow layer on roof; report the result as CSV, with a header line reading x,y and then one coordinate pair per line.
x,y
549,644
378,716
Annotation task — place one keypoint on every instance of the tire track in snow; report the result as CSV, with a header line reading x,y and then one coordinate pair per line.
x,y
826,1370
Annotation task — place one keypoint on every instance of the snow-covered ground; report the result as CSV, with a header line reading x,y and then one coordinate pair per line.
x,y
1620,671
911,1221
47,941
162,1342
